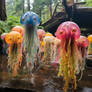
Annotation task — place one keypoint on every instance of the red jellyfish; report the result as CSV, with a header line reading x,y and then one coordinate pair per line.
x,y
82,44
68,32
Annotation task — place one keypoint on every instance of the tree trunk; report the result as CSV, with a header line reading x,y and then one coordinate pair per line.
x,y
23,6
40,14
3,15
28,3
68,9
50,8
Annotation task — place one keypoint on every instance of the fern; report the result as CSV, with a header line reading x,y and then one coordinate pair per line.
x,y
5,26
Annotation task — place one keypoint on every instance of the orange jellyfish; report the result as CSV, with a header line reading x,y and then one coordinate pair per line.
x,y
82,44
90,45
68,32
18,29
14,39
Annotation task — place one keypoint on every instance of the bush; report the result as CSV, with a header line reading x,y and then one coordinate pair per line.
x,y
40,27
5,26
13,21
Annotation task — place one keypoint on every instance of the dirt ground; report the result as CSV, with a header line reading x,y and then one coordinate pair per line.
x,y
44,80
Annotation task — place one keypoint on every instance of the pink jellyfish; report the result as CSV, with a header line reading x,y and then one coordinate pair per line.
x,y
5,45
41,34
68,32
82,44
3,36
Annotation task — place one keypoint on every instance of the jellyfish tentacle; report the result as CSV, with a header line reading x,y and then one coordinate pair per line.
x,y
14,39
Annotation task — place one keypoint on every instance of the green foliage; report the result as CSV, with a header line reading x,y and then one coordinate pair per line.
x,y
19,7
43,8
10,7
5,26
13,21
40,27
88,3
15,7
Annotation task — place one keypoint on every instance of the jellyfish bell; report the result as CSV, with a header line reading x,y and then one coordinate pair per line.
x,y
83,42
90,38
48,38
3,36
30,18
60,33
18,29
48,34
67,29
14,39
75,30
90,45
41,34
21,31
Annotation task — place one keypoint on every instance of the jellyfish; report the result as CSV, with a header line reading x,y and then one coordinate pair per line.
x,y
82,44
44,36
90,45
48,50
51,44
21,31
14,39
47,45
48,34
3,36
18,29
5,45
41,34
68,32
31,20
56,45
